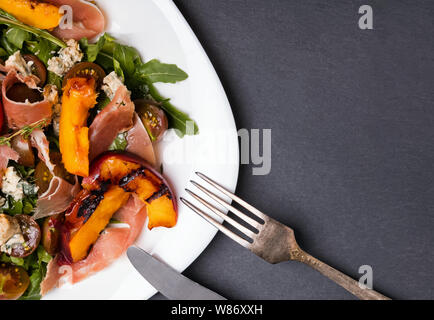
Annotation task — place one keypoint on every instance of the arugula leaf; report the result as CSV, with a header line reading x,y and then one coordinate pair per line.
x,y
127,58
13,207
17,36
118,69
42,48
54,79
103,101
109,44
120,143
43,255
155,71
17,261
7,46
177,119
25,172
105,61
91,51
3,52
5,14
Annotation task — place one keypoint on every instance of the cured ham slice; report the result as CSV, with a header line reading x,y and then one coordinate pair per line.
x,y
111,244
56,199
40,142
20,114
116,117
60,193
88,20
6,154
139,142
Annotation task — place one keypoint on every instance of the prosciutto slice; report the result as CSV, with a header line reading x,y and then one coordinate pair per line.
x,y
40,142
20,114
6,154
60,193
57,198
88,20
111,244
139,142
116,117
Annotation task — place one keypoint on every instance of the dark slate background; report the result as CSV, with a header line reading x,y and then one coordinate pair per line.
x,y
352,119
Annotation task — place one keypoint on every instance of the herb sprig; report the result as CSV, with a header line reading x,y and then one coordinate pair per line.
x,y
25,132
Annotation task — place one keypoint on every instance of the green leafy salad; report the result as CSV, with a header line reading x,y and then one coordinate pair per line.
x,y
35,66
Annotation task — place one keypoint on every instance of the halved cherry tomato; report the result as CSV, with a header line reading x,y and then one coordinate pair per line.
x,y
38,68
43,175
14,281
153,117
31,234
51,233
86,70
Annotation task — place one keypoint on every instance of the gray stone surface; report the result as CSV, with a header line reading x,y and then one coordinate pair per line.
x,y
352,119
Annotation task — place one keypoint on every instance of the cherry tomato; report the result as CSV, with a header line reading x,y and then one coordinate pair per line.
x,y
14,281
51,233
86,70
37,67
43,175
31,234
153,117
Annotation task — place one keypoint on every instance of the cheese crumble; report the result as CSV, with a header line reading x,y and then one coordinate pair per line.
x,y
17,62
67,58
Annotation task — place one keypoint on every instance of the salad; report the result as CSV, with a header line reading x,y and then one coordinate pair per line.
x,y
80,119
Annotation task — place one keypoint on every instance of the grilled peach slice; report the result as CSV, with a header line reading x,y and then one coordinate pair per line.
x,y
89,214
134,174
79,96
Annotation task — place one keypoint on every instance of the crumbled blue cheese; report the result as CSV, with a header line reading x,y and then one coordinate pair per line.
x,y
17,62
8,228
13,185
16,240
51,93
111,83
66,59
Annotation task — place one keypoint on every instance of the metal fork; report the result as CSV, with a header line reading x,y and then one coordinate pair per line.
x,y
271,240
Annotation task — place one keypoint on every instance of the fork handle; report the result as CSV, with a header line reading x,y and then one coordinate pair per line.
x,y
338,277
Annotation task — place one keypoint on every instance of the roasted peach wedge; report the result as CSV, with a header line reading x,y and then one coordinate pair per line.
x,y
86,218
79,96
134,174
113,178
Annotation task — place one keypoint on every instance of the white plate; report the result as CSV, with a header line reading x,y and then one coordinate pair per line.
x,y
158,30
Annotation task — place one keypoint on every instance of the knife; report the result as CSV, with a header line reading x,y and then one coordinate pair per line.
x,y
166,280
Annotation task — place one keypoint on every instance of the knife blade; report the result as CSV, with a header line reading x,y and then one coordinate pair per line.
x,y
166,280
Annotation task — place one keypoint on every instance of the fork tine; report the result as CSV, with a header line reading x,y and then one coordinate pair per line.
x,y
216,224
222,215
234,210
240,201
